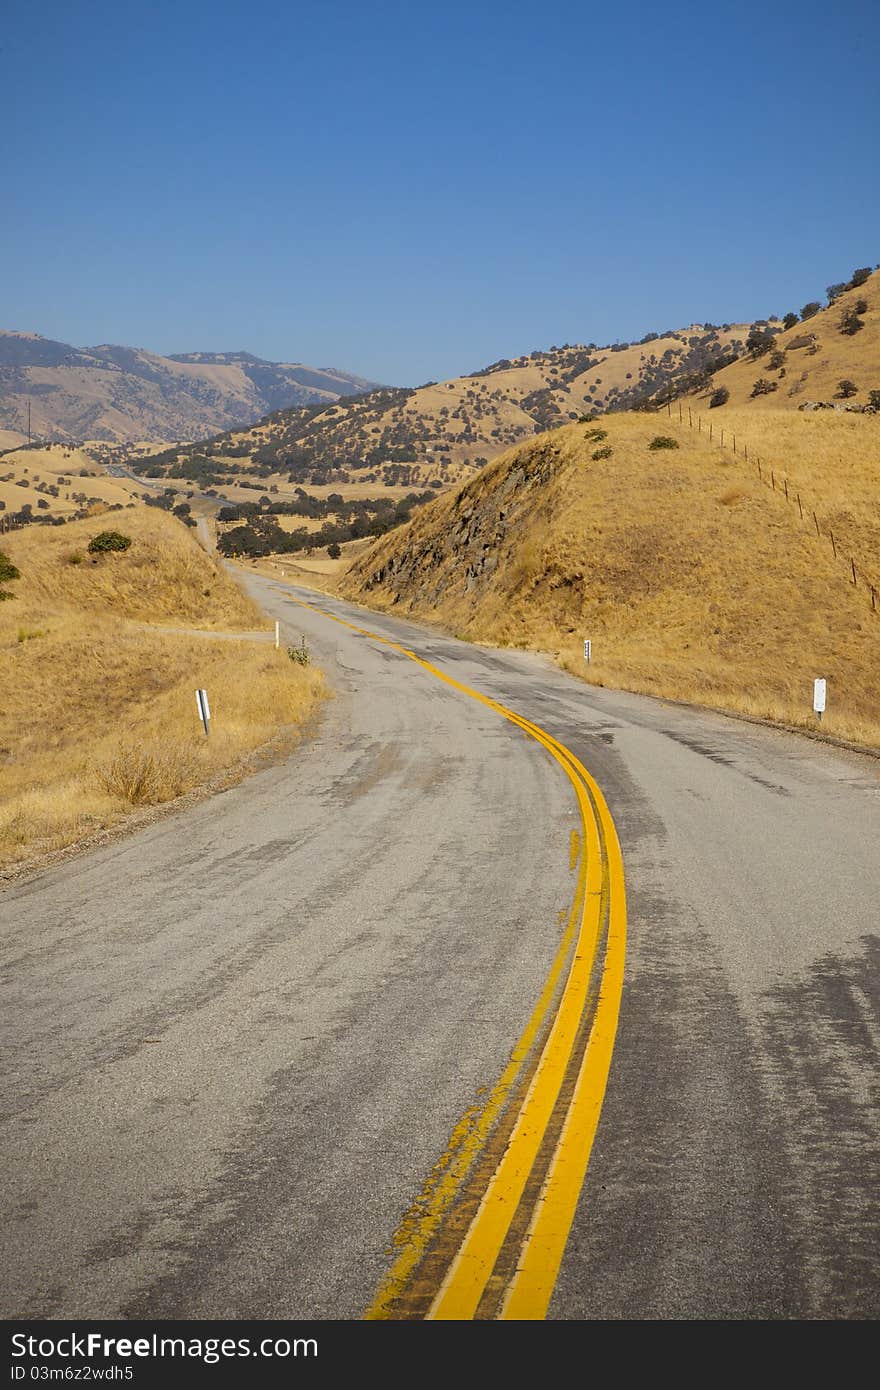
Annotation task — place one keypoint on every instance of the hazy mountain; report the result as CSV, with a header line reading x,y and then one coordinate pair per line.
x,y
124,394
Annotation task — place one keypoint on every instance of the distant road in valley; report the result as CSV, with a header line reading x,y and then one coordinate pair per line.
x,y
284,1054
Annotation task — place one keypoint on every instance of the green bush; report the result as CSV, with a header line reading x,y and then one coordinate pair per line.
x,y
603,453
108,540
299,654
7,569
663,441
719,397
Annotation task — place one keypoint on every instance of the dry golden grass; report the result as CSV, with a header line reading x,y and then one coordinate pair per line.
x,y
828,459
40,468
97,711
817,357
693,579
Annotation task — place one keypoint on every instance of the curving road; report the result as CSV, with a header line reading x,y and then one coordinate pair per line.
x,y
336,1043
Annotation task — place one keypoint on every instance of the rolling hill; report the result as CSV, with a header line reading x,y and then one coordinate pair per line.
x,y
698,573
828,355
441,432
123,394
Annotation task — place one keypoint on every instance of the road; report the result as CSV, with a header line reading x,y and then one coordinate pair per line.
x,y
270,1057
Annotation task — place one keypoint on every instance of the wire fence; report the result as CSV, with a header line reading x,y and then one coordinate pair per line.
x,y
786,489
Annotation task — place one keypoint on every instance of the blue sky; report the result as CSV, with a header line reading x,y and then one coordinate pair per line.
x,y
411,192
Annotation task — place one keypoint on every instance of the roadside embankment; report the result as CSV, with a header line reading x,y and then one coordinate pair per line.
x,y
101,654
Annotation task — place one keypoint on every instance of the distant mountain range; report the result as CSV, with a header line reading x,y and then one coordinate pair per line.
x,y
124,395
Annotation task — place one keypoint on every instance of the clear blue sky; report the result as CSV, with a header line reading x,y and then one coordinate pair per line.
x,y
409,191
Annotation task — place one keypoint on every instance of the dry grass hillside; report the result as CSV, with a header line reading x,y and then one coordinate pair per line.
x,y
99,665
442,432
808,361
60,481
694,579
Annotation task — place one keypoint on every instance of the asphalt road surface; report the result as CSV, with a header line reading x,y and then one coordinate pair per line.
x,y
384,1032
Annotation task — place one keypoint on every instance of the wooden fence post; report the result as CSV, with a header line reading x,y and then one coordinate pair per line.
x,y
816,519
853,563
800,508
833,546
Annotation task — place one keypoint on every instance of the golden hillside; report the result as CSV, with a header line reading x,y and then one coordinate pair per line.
x,y
59,480
693,576
440,433
808,361
101,656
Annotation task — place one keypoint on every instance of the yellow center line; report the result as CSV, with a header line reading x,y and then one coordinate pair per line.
x,y
532,1284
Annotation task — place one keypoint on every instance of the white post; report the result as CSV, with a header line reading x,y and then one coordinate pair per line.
x,y
202,707
819,692
277,633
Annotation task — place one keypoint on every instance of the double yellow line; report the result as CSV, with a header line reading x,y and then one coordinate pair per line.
x,y
507,1260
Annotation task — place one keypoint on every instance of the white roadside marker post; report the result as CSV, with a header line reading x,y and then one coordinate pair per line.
x,y
588,650
277,634
202,706
819,685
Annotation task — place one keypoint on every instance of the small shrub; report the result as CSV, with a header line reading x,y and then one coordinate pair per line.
x,y
7,569
846,388
76,557
874,399
108,540
776,360
602,453
299,654
719,397
144,776
663,441
596,435
334,551
27,634
763,387
850,322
